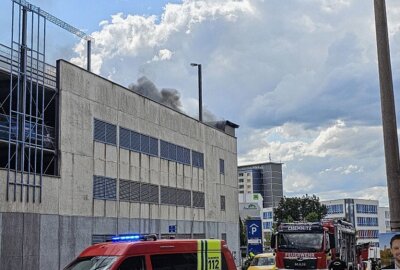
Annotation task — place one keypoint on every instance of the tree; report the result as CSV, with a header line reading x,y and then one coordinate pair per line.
x,y
305,208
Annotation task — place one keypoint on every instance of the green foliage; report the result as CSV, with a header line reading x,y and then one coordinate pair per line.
x,y
305,208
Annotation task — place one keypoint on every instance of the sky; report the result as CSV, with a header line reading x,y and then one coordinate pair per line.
x,y
299,77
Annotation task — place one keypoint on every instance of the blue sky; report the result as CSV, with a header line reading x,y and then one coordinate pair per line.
x,y
300,77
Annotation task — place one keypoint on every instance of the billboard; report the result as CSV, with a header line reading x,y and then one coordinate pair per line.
x,y
388,253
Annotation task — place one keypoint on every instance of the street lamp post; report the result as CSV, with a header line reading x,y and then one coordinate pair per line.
x,y
200,91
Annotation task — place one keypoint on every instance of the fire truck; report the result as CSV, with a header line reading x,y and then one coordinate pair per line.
x,y
314,245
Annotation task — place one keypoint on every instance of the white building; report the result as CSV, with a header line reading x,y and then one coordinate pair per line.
x,y
363,214
384,219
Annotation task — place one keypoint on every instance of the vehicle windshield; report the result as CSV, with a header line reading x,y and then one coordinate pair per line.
x,y
92,263
263,261
311,242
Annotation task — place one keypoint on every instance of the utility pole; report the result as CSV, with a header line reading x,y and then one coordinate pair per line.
x,y
388,114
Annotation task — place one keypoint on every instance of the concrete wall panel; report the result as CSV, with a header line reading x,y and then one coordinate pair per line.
x,y
49,249
31,242
12,241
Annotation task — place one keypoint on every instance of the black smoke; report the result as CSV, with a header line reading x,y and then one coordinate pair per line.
x,y
167,96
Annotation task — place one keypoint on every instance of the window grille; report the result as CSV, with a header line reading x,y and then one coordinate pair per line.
x,y
164,195
144,144
183,197
135,141
164,149
124,138
198,199
135,192
153,146
104,188
124,190
105,132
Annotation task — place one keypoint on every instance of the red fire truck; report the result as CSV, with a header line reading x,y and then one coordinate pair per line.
x,y
146,252
314,245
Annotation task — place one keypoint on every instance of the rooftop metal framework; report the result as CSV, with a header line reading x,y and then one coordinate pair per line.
x,y
29,103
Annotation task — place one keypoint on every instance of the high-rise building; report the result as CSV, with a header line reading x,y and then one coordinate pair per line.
x,y
262,178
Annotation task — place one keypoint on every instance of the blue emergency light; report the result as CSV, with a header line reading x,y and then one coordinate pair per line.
x,y
127,237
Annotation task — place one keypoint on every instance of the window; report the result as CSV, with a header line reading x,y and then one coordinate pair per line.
x,y
335,209
137,142
105,132
223,203
174,261
197,159
366,208
367,221
174,152
104,188
133,263
221,166
267,225
362,234
129,190
267,215
198,199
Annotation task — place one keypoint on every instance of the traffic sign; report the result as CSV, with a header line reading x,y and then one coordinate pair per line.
x,y
172,228
254,236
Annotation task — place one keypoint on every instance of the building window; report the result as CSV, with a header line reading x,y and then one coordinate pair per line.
x,y
104,188
197,159
105,132
137,142
267,215
198,199
222,203
387,214
174,152
267,225
366,208
335,209
221,166
362,234
367,221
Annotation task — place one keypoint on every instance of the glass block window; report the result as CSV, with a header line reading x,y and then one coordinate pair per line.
x,y
198,199
197,159
105,132
221,166
222,200
104,188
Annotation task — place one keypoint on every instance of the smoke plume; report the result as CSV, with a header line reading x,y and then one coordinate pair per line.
x,y
168,97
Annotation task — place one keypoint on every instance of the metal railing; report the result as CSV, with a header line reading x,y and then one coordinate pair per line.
x,y
9,61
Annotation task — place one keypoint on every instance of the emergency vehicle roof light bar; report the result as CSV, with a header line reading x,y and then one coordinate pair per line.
x,y
134,237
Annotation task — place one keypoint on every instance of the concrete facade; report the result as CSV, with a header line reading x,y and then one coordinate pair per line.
x,y
49,234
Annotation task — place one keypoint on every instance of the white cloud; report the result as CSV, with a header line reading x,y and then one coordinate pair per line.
x,y
299,77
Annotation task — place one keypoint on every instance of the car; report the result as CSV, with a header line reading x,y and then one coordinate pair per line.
x,y
263,261
146,252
